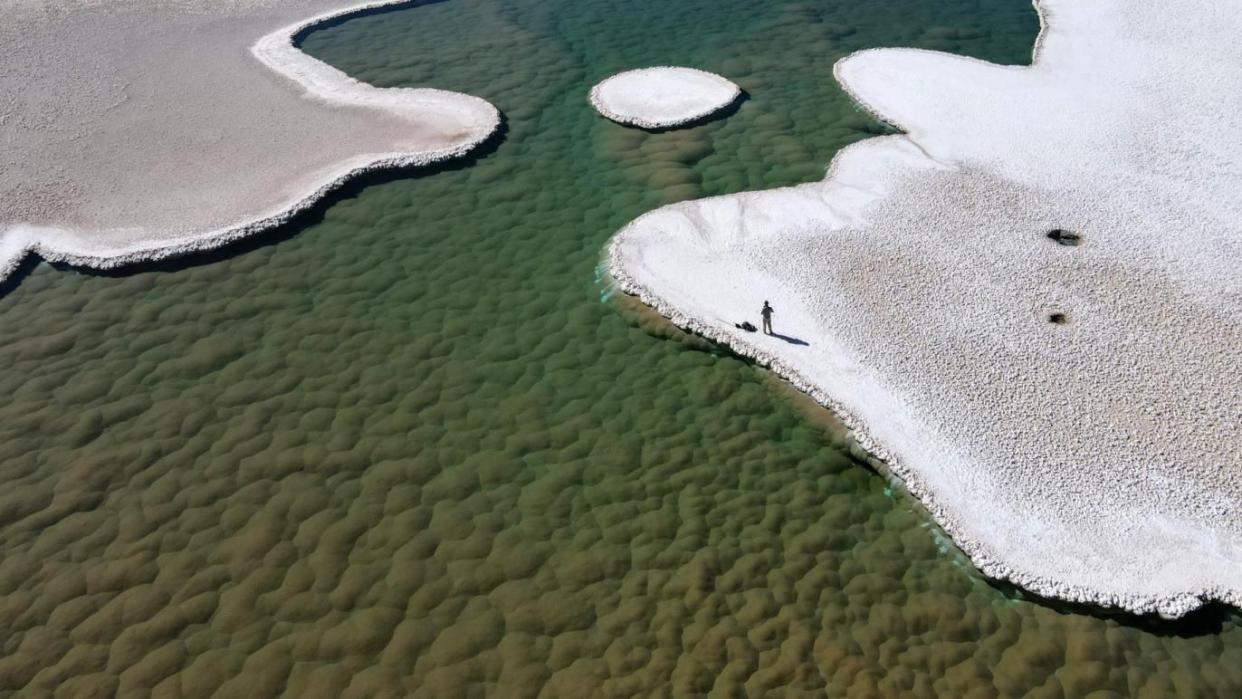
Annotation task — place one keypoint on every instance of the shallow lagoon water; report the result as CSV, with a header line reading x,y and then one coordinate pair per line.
x,y
413,447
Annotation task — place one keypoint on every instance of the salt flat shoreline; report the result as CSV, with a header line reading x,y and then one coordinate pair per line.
x,y
1084,460
297,134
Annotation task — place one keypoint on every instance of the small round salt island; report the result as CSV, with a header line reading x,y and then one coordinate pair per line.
x,y
662,97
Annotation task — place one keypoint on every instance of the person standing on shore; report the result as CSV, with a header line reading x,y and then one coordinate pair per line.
x,y
767,318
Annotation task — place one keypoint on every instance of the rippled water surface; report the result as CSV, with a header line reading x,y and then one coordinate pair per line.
x,y
411,447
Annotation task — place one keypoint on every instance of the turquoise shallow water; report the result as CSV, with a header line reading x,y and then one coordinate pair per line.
x,y
411,446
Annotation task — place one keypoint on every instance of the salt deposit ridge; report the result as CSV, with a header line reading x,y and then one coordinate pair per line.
x,y
137,130
662,97
1070,413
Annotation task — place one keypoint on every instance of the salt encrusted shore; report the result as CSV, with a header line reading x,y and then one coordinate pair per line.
x,y
663,96
1095,459
139,130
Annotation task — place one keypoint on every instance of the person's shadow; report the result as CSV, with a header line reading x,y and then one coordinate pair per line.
x,y
791,340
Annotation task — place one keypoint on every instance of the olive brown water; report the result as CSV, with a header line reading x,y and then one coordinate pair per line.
x,y
413,445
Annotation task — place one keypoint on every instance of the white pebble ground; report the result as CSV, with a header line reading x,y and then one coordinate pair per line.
x,y
662,97
1098,459
138,129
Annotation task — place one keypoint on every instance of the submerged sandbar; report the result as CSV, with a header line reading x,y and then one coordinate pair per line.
x,y
138,130
1070,410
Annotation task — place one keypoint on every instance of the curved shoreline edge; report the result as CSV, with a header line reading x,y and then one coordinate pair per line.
x,y
1171,604
278,51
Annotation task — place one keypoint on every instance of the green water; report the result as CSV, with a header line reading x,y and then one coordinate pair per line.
x,y
409,448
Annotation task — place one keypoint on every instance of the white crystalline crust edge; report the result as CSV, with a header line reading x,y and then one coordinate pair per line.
x,y
637,120
1170,606
278,52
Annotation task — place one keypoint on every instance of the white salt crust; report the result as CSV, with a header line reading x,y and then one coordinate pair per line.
x,y
1095,461
147,130
663,96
